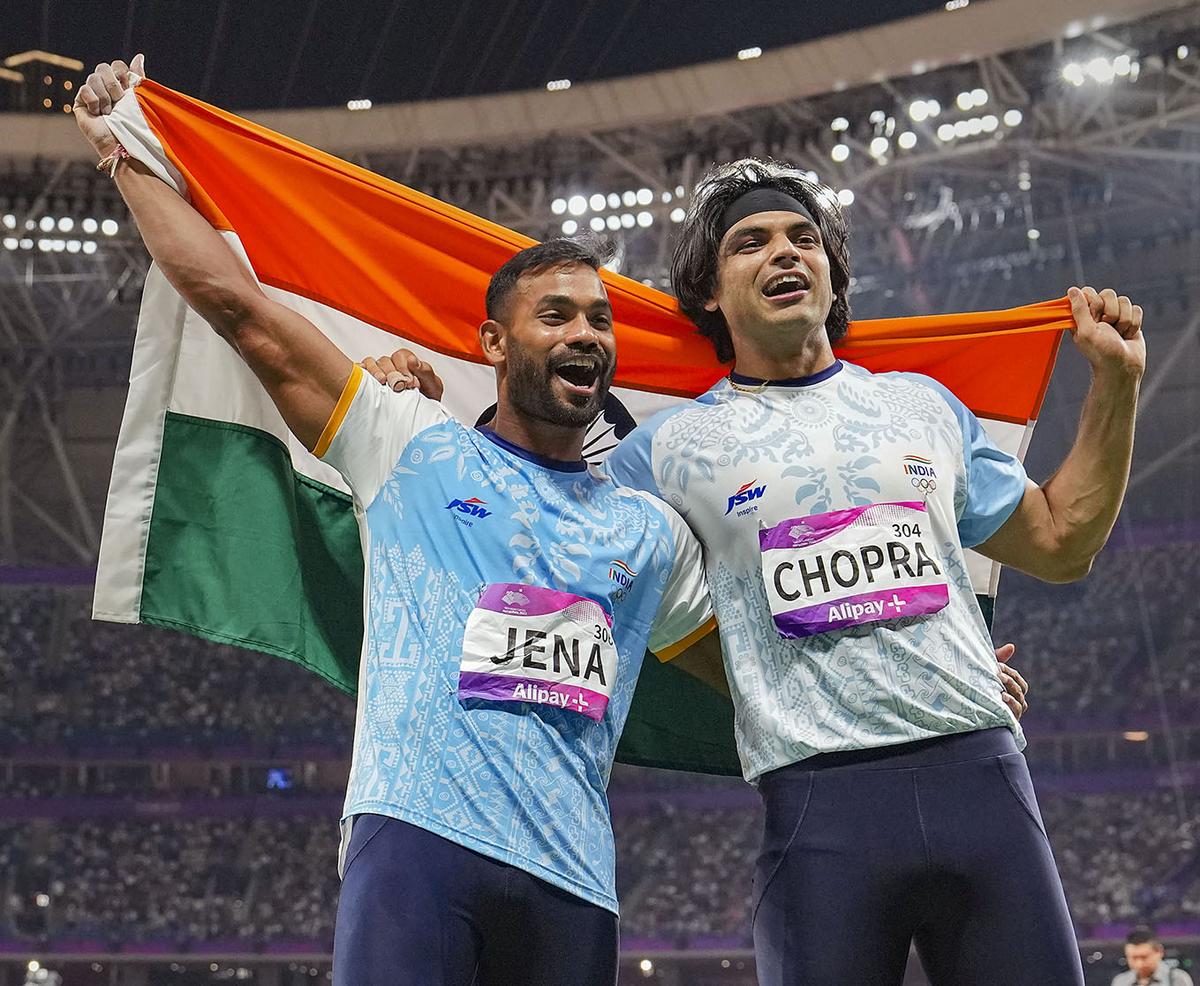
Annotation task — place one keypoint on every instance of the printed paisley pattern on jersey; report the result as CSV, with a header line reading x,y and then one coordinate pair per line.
x,y
836,444
521,783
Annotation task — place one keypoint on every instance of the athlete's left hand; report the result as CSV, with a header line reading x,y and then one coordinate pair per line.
x,y
1015,687
1108,331
404,370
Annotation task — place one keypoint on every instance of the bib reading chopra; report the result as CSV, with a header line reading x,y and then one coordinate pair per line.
x,y
524,643
848,568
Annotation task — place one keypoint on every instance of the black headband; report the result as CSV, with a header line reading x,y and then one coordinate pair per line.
x,y
760,200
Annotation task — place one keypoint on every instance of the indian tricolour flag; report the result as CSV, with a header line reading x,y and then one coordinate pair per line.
x,y
220,524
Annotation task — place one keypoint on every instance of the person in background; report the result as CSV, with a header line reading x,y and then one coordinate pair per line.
x,y
1144,956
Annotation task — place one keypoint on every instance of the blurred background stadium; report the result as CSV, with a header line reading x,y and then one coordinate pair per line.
x,y
160,822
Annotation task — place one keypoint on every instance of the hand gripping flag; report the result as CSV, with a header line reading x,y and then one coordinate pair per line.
x,y
220,524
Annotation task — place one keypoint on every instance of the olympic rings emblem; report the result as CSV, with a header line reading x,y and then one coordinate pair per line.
x,y
924,483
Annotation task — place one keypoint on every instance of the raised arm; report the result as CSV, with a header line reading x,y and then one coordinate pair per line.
x,y
1058,528
303,372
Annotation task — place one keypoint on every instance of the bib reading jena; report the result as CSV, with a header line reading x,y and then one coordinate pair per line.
x,y
834,511
508,601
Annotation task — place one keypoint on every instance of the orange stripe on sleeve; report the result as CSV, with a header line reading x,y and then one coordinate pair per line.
x,y
339,412
677,648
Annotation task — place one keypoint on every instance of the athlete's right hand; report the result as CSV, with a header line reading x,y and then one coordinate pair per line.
x,y
404,370
97,96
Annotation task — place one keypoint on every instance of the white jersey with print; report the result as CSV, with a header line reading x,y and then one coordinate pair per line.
x,y
509,602
833,511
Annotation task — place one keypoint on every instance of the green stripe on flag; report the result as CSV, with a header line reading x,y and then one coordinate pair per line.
x,y
244,550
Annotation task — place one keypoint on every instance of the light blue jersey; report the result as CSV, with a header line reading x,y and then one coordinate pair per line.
x,y
509,601
833,512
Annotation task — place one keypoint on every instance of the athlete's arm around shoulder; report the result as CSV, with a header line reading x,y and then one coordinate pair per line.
x,y
1057,529
303,371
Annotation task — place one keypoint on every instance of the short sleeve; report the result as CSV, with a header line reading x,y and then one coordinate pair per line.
x,y
685,612
368,430
995,480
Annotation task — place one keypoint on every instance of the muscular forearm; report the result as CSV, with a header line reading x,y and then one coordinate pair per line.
x,y
194,257
1084,495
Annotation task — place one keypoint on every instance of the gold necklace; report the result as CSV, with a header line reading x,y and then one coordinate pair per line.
x,y
757,388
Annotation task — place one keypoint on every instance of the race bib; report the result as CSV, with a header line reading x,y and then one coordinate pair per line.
x,y
847,568
528,644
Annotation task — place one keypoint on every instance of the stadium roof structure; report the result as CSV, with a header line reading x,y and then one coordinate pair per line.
x,y
987,155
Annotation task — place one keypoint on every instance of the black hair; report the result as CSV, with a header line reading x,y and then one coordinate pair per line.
x,y
1142,934
557,252
694,261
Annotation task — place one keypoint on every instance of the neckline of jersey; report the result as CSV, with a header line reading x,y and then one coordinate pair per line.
x,y
819,377
558,465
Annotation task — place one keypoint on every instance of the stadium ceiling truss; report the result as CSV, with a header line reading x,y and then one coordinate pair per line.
x,y
1046,156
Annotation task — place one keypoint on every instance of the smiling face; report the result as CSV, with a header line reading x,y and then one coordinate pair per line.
x,y
554,349
773,284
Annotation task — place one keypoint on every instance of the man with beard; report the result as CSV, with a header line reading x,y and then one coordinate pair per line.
x,y
499,656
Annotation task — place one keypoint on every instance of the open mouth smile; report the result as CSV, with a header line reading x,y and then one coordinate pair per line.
x,y
786,287
580,374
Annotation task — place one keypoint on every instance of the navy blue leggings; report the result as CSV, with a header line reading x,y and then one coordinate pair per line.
x,y
938,842
417,908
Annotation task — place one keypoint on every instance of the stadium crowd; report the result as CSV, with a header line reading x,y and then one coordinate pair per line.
x,y
66,681
71,687
683,875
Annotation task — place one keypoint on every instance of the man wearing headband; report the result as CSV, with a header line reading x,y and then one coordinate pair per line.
x,y
834,506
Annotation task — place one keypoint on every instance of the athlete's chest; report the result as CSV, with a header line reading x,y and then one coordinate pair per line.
x,y
755,460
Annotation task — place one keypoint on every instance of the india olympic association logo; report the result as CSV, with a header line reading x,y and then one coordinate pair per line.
x,y
920,473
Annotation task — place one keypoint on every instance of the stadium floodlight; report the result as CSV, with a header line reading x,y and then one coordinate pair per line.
x,y
1013,117
645,219
46,223
957,4
45,246
1122,65
613,222
879,146
569,228
73,246
962,128
989,122
680,191
558,207
1073,73
89,225
839,152
1100,69
597,224
918,111
666,197
33,965
11,243
627,220
558,85
1033,234
646,966
677,215
644,196
89,247
748,53
10,221
577,205
964,101
629,197
946,132
358,104
907,140
839,125
1182,52
26,244
614,200
979,97
974,126
109,227
877,116
58,246
597,202
845,197
66,224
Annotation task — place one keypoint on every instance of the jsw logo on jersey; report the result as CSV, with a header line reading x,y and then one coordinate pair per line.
x,y
745,495
473,507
